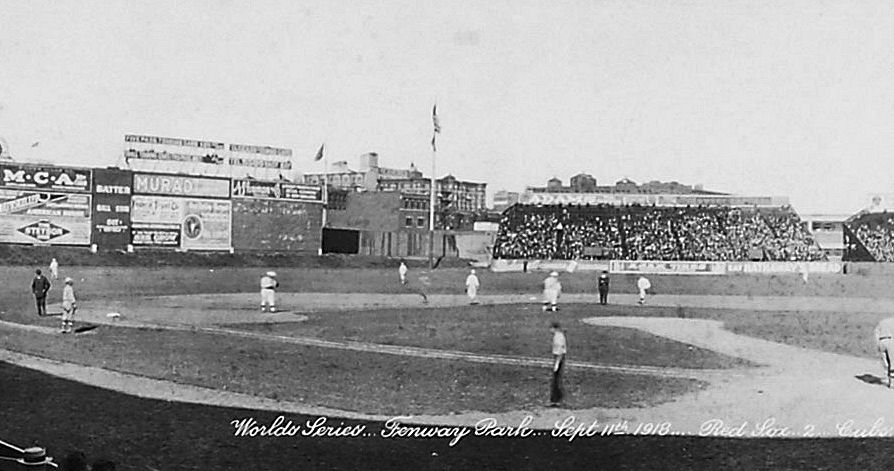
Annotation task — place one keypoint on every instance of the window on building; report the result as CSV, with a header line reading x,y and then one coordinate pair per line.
x,y
409,222
420,222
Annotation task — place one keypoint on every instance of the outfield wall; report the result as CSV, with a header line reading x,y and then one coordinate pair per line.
x,y
668,267
45,205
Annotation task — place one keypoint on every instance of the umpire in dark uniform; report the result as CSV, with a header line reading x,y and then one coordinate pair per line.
x,y
603,287
40,285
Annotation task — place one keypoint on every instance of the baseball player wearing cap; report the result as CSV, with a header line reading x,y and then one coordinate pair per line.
x,y
402,272
472,285
268,291
69,306
551,290
884,338
603,287
40,285
643,284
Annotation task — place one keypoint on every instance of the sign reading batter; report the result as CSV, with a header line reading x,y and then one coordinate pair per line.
x,y
199,224
111,208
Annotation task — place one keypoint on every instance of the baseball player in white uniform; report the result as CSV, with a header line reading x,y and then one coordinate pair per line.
x,y
69,306
268,291
54,269
551,290
884,337
402,271
643,284
472,285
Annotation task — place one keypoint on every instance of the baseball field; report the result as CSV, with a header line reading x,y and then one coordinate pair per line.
x,y
767,372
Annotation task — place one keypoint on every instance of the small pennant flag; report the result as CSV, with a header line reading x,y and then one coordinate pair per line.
x,y
319,153
433,146
434,119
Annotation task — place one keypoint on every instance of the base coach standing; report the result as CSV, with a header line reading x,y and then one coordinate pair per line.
x,y
602,284
40,285
560,348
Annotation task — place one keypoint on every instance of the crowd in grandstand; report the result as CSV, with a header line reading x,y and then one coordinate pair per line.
x,y
703,233
877,235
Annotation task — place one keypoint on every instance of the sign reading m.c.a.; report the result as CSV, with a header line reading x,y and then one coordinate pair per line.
x,y
44,177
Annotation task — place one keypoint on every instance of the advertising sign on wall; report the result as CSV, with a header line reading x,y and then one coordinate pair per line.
x,y
111,208
200,224
294,191
658,267
250,188
178,185
155,235
37,217
44,177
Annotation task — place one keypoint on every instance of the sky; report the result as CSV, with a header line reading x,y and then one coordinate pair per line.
x,y
791,98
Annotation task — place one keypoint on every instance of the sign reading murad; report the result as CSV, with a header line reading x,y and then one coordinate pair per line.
x,y
44,177
177,185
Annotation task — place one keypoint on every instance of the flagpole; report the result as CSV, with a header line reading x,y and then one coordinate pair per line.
x,y
325,197
431,208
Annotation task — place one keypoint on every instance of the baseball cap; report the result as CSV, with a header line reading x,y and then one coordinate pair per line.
x,y
271,273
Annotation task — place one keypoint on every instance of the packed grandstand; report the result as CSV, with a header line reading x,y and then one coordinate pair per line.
x,y
636,232
870,237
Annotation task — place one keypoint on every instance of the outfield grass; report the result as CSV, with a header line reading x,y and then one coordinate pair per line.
x,y
521,330
347,380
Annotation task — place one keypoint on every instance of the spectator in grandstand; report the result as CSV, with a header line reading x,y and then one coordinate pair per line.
x,y
714,233
602,284
643,284
560,349
551,290
472,285
40,285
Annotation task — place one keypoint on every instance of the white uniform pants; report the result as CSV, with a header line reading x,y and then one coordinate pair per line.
x,y
886,349
268,297
550,296
472,292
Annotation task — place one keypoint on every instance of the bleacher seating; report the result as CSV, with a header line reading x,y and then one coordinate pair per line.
x,y
876,232
703,233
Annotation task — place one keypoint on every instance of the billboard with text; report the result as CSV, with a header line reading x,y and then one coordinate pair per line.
x,y
112,191
180,185
44,177
189,223
40,217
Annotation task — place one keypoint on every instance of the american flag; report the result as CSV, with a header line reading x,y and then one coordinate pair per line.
x,y
319,153
434,119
